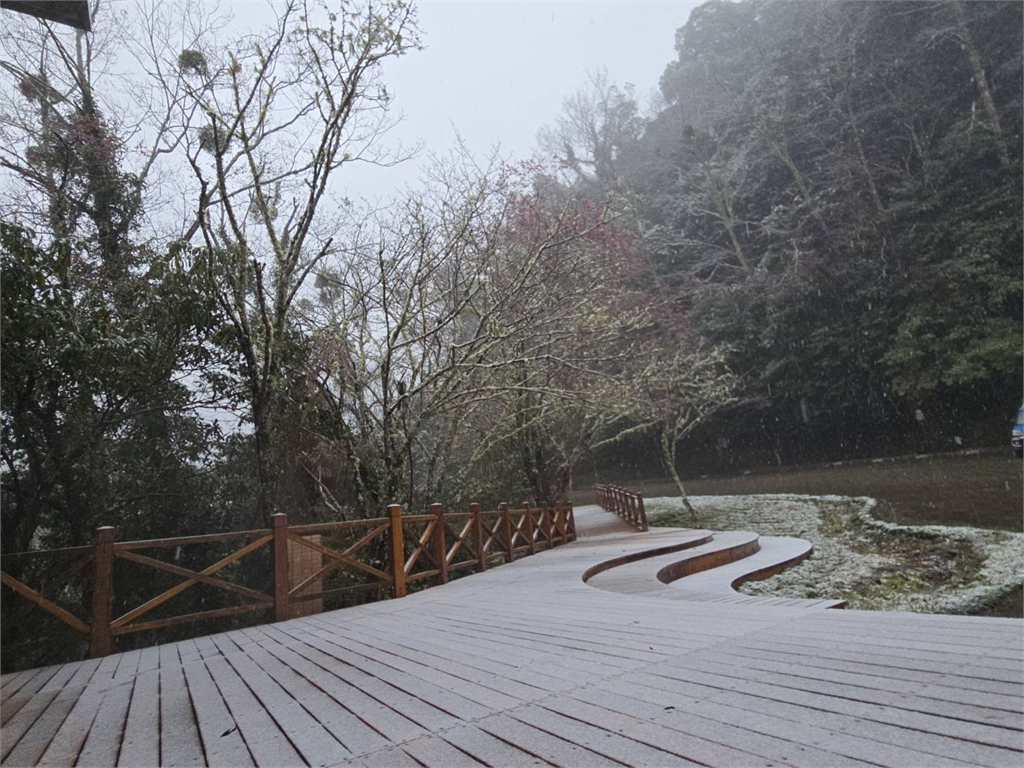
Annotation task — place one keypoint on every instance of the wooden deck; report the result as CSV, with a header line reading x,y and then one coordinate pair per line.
x,y
526,664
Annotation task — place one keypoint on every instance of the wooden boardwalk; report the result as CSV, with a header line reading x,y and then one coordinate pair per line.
x,y
526,664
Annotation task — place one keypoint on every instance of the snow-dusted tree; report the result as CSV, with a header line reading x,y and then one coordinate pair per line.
x,y
673,393
595,138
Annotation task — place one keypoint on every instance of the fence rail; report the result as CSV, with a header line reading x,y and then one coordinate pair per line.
x,y
390,553
626,504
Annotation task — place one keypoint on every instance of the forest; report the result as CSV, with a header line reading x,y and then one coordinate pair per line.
x,y
808,245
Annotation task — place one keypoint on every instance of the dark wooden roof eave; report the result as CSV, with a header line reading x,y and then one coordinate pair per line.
x,y
73,13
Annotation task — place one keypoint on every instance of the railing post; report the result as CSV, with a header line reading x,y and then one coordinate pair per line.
x,y
440,550
506,531
100,639
545,523
396,555
642,511
279,528
560,519
478,537
528,527
571,521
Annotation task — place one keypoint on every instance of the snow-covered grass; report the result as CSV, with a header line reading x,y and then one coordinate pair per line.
x,y
871,563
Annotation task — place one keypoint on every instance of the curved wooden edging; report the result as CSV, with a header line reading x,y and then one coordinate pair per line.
x,y
699,564
760,574
772,570
708,560
605,565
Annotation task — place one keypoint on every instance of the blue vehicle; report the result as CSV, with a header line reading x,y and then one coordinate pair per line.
x,y
1017,436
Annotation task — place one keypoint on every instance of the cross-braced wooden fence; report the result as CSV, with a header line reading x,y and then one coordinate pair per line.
x,y
387,554
626,504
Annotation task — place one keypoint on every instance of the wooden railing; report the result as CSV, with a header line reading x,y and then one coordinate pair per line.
x,y
389,553
626,504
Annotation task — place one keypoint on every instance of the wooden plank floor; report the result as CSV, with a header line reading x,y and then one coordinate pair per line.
x,y
527,665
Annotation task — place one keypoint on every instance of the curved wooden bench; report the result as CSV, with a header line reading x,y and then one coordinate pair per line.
x,y
776,554
708,570
699,538
749,544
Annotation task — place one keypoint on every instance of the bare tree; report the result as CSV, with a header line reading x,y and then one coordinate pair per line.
x,y
466,310
283,112
596,134
676,392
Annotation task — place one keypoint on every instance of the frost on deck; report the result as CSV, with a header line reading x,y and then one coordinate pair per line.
x,y
527,664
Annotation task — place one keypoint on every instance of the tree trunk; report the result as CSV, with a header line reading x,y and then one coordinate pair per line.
x,y
265,506
668,455
862,157
988,104
722,201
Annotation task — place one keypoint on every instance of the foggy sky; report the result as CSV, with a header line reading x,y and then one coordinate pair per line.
x,y
498,71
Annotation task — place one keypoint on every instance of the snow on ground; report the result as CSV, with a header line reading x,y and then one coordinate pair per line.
x,y
873,564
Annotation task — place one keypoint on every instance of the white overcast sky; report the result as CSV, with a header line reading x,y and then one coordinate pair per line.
x,y
498,71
